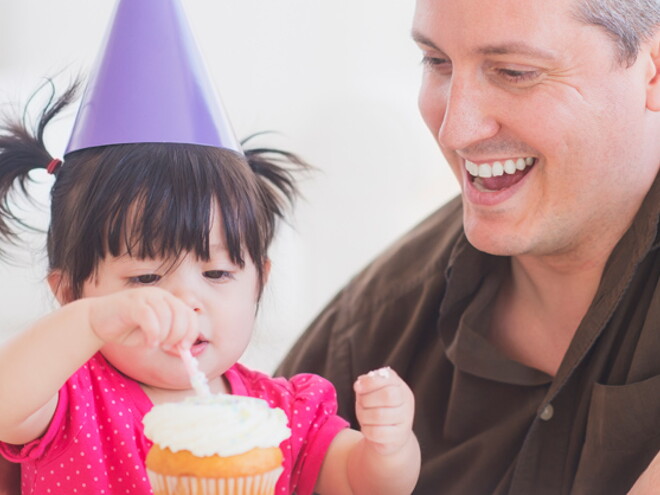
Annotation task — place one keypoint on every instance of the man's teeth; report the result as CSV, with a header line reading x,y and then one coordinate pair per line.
x,y
498,168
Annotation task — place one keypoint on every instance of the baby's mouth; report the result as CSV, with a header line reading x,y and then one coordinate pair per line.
x,y
499,174
198,346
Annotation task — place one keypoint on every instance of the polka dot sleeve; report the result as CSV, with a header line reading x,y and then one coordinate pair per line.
x,y
310,403
314,424
61,429
94,443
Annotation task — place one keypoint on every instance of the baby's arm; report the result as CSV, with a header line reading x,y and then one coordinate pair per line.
x,y
35,364
649,481
384,457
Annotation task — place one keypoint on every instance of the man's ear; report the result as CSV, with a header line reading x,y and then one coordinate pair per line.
x,y
60,286
653,88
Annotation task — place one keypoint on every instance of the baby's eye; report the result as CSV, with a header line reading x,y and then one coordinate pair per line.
x,y
147,279
218,274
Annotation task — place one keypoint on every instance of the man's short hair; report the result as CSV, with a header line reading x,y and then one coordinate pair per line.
x,y
628,22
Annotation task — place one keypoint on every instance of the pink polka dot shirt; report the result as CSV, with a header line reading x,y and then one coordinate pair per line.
x,y
95,443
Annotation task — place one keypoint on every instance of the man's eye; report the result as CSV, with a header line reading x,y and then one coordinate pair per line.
x,y
518,75
429,61
218,274
148,279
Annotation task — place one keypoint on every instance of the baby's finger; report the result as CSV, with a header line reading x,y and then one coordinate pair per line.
x,y
386,437
146,317
159,304
376,379
387,396
180,330
189,326
381,416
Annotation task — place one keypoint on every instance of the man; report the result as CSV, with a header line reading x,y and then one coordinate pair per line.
x,y
525,315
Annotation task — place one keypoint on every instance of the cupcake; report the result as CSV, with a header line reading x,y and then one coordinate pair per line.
x,y
220,445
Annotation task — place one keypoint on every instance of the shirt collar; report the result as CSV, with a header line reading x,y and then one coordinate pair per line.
x,y
463,309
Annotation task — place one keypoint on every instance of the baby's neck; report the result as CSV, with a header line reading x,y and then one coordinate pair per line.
x,y
162,395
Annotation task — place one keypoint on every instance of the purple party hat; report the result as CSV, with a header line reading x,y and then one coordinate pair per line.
x,y
150,84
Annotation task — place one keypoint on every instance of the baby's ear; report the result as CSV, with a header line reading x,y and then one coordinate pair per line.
x,y
60,286
266,270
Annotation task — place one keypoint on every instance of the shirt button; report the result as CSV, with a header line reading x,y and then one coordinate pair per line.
x,y
547,412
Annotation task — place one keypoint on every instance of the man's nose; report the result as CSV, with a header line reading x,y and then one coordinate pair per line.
x,y
469,115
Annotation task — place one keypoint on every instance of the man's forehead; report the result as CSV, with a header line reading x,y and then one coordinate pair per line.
x,y
515,47
527,27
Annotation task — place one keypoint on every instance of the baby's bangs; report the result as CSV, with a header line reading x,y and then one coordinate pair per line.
x,y
164,203
158,225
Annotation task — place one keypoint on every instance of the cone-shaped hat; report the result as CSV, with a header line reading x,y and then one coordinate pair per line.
x,y
150,84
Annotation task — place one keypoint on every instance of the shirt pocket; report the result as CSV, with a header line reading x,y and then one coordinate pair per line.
x,y
624,417
621,438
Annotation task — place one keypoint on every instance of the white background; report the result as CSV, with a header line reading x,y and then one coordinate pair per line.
x,y
338,82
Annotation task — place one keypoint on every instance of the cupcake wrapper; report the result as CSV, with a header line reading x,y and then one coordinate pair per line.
x,y
261,484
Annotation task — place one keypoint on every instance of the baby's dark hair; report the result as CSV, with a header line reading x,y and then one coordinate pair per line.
x,y
152,199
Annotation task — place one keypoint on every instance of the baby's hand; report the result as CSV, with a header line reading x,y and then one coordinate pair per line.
x,y
144,315
385,407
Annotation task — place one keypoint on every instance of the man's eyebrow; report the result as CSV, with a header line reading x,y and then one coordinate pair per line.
x,y
513,48
423,40
517,48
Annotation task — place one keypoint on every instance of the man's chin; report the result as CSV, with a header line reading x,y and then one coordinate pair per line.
x,y
496,244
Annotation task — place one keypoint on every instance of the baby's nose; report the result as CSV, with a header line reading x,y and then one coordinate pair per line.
x,y
189,297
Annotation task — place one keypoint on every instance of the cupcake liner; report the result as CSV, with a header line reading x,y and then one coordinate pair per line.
x,y
260,484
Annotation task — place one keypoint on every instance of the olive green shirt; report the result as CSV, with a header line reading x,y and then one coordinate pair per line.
x,y
487,424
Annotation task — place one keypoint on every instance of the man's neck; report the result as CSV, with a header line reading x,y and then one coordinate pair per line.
x,y
541,305
561,293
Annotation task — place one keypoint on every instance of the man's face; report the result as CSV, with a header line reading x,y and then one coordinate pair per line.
x,y
524,84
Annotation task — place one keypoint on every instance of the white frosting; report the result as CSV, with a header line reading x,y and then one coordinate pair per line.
x,y
197,378
216,425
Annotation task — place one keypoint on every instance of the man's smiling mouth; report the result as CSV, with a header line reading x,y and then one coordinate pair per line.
x,y
499,174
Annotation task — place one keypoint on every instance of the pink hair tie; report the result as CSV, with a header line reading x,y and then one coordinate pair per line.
x,y
53,165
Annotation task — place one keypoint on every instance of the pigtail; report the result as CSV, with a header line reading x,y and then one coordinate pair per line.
x,y
275,170
22,149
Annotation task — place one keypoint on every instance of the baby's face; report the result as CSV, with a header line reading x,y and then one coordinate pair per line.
x,y
223,295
